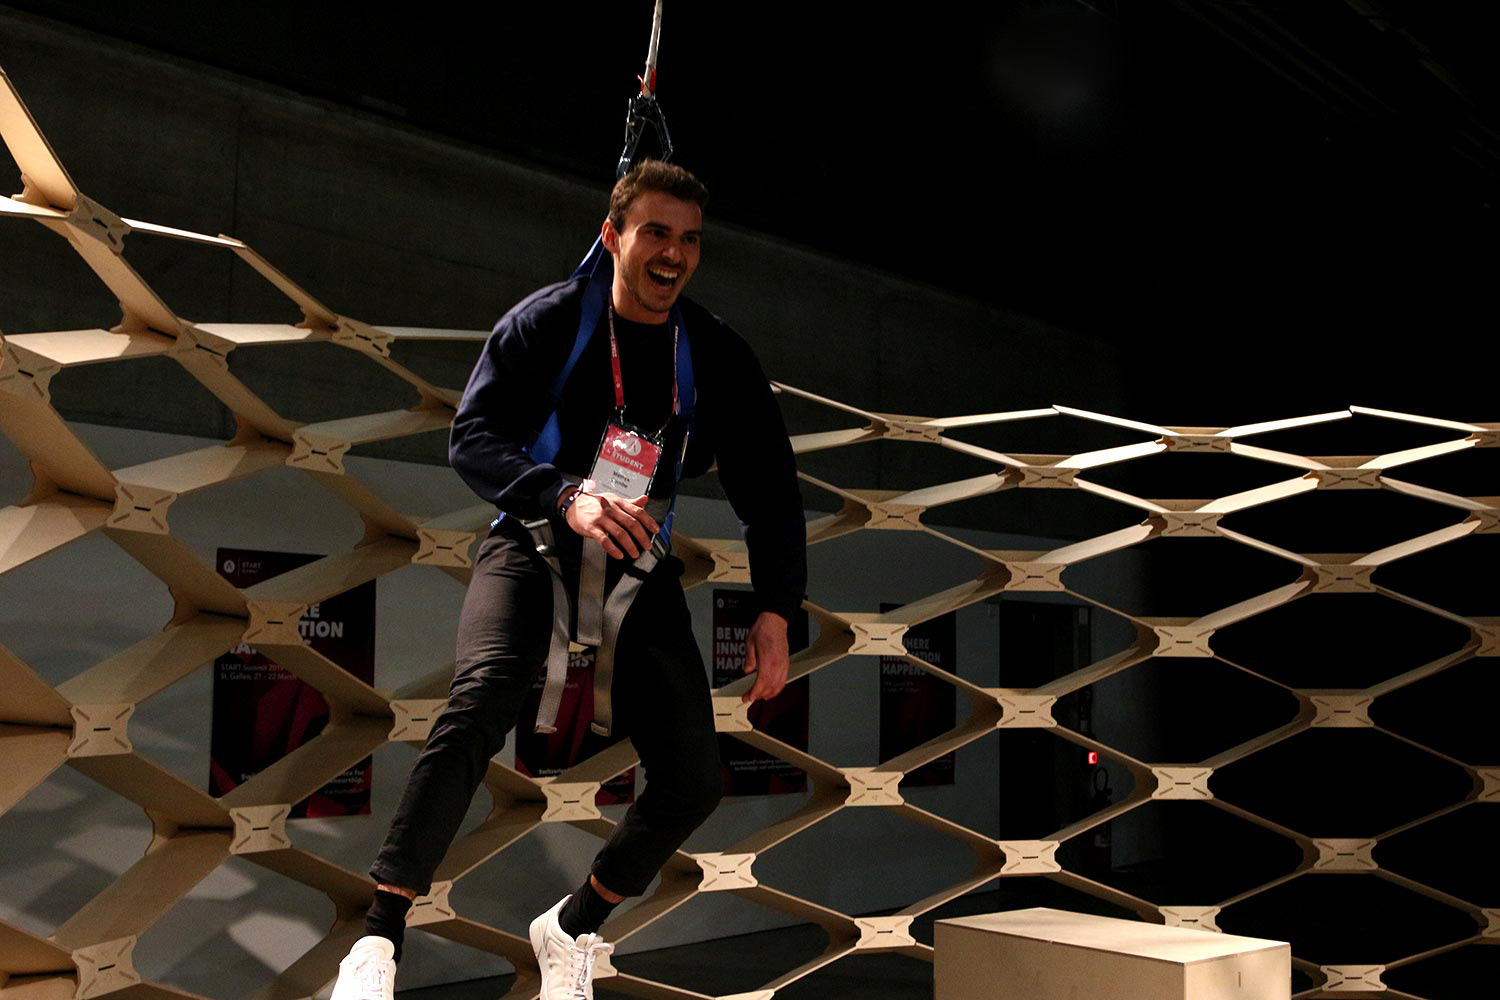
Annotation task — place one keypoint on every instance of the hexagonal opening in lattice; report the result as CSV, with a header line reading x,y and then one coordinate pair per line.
x,y
531,867
1354,521
92,581
1048,783
1061,435
171,728
319,381
1188,475
353,841
1181,854
38,265
162,396
742,816
1468,973
429,448
1201,707
1044,639
819,499
1038,520
915,465
1361,434
876,844
1347,641
233,515
440,361
1451,711
241,923
671,949
1445,575
66,841
849,694
858,568
1432,853
1471,472
813,416
959,787
893,466
202,282
1337,783
416,620
1180,577
1347,919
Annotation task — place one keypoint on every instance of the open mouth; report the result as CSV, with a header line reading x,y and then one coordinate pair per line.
x,y
663,277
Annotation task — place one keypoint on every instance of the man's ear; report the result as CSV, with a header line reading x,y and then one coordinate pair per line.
x,y
610,237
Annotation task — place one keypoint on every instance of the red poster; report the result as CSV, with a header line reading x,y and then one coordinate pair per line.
x,y
262,712
542,755
748,771
916,706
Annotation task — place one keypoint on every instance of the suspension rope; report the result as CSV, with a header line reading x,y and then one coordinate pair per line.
x,y
643,108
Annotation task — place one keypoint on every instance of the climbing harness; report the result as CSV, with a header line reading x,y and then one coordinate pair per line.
x,y
599,619
600,616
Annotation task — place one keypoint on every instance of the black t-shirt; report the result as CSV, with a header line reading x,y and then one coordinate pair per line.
x,y
646,360
736,424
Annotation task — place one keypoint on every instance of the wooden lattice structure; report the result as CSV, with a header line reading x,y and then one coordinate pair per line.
x,y
84,722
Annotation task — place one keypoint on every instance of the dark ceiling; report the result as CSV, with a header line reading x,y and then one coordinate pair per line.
x,y
1118,166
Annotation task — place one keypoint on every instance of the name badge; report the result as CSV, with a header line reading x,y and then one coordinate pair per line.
x,y
626,462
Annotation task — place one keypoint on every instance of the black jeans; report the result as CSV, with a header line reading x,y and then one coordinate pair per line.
x,y
661,701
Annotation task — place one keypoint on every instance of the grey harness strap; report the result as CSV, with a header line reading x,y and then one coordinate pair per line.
x,y
615,607
558,651
599,617
591,593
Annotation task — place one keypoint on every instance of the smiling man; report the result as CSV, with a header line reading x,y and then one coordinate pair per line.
x,y
585,409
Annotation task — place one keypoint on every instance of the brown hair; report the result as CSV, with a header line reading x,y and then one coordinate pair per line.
x,y
653,175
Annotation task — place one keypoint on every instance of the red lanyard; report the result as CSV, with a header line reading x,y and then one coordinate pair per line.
x,y
614,362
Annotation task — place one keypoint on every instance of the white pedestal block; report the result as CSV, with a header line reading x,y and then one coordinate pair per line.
x,y
1045,954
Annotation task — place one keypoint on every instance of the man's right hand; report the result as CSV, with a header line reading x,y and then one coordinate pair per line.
x,y
621,526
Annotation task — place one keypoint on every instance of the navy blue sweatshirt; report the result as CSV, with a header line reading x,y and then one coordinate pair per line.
x,y
737,423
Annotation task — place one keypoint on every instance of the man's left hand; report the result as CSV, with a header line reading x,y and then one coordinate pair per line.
x,y
766,656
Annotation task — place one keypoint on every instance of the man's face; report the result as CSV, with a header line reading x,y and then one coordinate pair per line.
x,y
655,254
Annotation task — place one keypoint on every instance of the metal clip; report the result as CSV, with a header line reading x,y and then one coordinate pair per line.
x,y
643,110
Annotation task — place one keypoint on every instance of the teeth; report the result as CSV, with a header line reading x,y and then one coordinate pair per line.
x,y
663,274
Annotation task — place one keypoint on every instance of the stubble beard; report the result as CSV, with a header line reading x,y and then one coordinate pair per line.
x,y
636,286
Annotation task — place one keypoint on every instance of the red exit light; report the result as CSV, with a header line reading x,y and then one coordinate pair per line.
x,y
1093,756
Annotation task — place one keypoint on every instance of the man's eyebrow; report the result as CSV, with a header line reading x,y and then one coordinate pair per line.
x,y
668,227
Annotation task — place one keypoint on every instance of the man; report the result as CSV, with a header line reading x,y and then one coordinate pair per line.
x,y
664,381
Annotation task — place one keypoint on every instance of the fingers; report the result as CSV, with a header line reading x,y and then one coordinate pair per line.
x,y
616,538
620,526
638,506
750,668
607,543
765,689
630,525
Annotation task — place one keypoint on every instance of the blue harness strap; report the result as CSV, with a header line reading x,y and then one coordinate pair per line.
x,y
599,266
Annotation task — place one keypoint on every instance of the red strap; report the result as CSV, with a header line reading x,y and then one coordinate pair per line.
x,y
614,362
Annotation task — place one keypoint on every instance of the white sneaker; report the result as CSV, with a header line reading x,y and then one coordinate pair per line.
x,y
368,972
567,963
